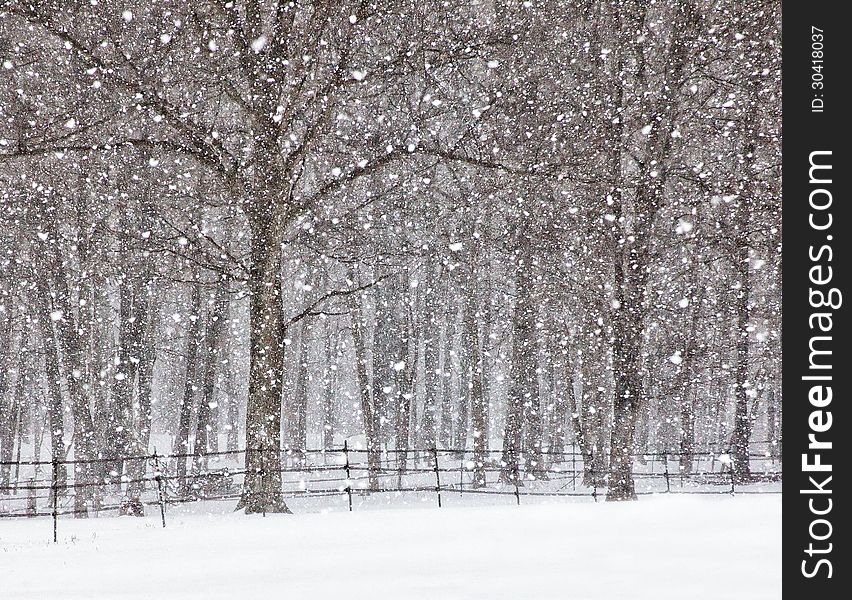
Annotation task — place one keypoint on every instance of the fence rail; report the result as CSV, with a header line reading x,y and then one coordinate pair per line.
x,y
128,484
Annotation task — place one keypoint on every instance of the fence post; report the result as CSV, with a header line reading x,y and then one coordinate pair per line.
x,y
54,488
668,484
437,475
461,475
516,478
158,477
348,479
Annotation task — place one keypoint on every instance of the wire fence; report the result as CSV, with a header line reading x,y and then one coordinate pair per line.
x,y
128,484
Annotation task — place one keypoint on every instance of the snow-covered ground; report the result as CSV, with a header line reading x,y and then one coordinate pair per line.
x,y
661,547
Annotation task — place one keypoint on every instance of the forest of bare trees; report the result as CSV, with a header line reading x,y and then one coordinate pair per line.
x,y
469,224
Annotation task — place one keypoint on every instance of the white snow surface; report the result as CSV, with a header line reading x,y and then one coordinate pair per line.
x,y
661,547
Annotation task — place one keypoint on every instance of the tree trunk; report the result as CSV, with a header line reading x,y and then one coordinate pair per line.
x,y
430,341
329,384
8,412
12,429
533,413
5,353
581,439
181,443
367,410
742,421
686,384
262,486
406,377
522,377
232,443
146,353
52,379
632,257
206,429
560,382
773,425
69,339
131,323
478,401
297,436
627,391
448,391
465,372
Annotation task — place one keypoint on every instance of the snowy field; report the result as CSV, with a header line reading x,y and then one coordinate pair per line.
x,y
677,547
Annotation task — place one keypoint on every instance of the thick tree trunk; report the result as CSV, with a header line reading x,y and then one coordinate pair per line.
x,y
262,487
84,429
631,272
742,420
630,244
131,322
627,393
744,386
52,379
146,353
523,381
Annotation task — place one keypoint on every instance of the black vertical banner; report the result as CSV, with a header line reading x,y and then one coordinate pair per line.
x,y
816,171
